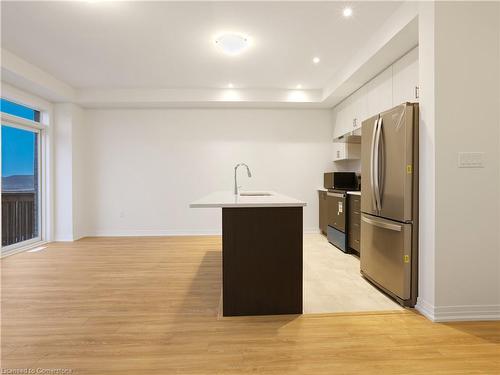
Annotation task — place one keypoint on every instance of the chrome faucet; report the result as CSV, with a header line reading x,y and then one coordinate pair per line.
x,y
236,187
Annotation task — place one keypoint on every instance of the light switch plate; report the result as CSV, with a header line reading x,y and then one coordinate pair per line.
x,y
471,160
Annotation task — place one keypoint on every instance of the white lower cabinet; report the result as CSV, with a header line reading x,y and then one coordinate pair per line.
x,y
346,151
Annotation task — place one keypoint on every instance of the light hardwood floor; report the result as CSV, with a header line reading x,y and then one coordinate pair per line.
x,y
149,306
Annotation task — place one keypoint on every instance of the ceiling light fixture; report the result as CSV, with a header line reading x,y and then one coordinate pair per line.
x,y
299,86
347,12
316,60
232,43
230,85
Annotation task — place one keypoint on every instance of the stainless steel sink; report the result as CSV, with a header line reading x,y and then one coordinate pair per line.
x,y
255,194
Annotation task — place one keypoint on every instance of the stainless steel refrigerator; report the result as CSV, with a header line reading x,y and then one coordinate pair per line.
x,y
389,202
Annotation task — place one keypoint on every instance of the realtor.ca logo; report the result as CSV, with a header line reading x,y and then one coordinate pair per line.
x,y
37,371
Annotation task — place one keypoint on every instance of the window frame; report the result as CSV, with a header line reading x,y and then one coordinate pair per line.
x,y
44,198
36,112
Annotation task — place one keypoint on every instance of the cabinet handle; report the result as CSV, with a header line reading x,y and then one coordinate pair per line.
x,y
338,153
417,92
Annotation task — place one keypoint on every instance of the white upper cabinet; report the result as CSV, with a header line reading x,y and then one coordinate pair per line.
x,y
360,110
405,78
346,151
395,85
379,93
342,113
348,115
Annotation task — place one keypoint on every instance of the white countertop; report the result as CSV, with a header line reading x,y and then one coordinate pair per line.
x,y
228,199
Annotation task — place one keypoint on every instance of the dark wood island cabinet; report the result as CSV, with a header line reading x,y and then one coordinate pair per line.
x,y
262,240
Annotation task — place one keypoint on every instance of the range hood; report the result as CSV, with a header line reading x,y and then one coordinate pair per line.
x,y
351,137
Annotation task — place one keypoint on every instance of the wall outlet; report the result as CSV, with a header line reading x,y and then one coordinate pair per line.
x,y
471,160
122,214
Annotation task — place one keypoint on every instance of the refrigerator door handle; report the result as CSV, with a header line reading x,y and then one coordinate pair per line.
x,y
376,153
372,166
380,163
394,227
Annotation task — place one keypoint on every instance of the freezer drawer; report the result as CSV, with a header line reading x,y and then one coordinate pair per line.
x,y
386,254
337,238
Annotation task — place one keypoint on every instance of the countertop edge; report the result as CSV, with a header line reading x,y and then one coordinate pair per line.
x,y
226,199
245,205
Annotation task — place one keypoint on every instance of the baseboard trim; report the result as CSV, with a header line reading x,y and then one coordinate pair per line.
x,y
64,238
466,312
458,313
425,308
161,233
151,233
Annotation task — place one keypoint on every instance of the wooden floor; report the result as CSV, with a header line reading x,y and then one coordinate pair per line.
x,y
149,306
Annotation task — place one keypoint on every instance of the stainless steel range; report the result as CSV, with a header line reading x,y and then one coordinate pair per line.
x,y
338,183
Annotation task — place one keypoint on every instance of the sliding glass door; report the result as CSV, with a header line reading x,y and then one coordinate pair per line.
x,y
21,211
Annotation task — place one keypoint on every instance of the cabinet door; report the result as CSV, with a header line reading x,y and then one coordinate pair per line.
x,y
379,93
323,214
354,222
405,78
339,151
359,110
344,151
341,119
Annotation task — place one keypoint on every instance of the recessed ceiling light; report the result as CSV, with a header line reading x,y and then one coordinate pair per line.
x,y
316,60
232,43
299,86
230,85
347,12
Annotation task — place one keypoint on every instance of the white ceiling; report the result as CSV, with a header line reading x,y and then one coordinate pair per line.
x,y
152,45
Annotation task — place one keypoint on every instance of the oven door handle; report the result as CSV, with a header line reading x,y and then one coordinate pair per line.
x,y
336,195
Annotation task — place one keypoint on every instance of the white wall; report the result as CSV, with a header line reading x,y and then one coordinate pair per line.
x,y
467,119
427,161
460,244
78,168
68,172
144,167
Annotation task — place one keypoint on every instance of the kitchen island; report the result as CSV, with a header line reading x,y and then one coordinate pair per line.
x,y
261,252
